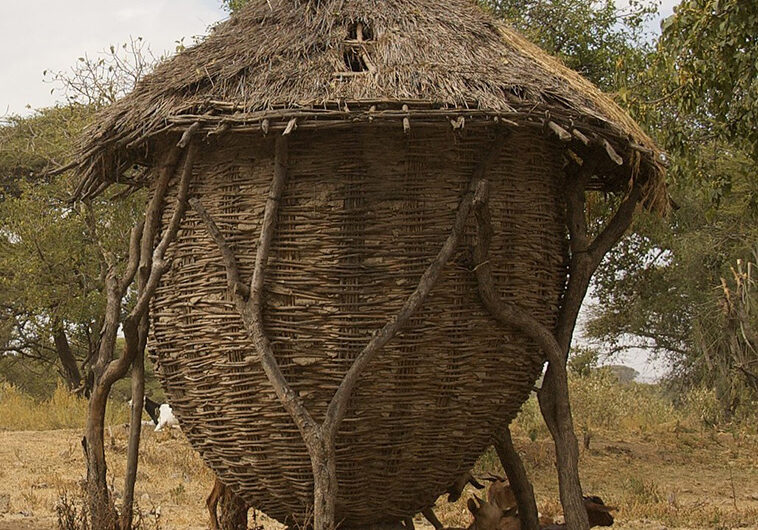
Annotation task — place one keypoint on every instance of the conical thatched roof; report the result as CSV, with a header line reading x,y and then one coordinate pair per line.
x,y
351,60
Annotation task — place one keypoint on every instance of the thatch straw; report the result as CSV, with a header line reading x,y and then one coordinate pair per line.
x,y
277,59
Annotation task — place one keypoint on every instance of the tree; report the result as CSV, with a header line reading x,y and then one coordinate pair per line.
x,y
233,5
51,299
698,98
48,289
603,42
670,297
69,267
711,47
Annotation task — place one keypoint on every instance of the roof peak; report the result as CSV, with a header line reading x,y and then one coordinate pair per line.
x,y
279,56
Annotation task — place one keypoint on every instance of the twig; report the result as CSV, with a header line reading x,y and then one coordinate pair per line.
x,y
230,262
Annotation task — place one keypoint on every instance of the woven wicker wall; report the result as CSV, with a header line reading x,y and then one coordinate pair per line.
x,y
364,213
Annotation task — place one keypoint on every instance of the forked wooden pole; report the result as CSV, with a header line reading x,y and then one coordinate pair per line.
x,y
511,315
108,368
320,438
554,394
518,480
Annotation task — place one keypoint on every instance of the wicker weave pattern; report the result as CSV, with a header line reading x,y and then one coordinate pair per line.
x,y
360,220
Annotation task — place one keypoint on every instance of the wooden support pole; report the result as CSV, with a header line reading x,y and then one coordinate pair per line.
x,y
518,480
580,136
148,263
562,134
562,428
611,152
585,257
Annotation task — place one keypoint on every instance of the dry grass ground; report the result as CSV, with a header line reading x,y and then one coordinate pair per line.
x,y
661,466
684,480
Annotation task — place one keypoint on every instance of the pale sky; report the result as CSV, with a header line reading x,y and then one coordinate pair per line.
x,y
38,35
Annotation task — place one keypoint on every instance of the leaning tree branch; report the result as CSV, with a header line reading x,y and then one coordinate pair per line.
x,y
118,368
154,208
236,285
134,255
518,480
250,309
141,254
159,265
585,258
510,315
337,408
269,223
616,227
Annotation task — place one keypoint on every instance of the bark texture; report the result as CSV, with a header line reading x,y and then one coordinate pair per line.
x,y
148,259
518,480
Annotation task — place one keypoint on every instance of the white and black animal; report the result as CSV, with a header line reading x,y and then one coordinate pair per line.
x,y
161,414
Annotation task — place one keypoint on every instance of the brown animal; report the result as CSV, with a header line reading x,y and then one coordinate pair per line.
x,y
233,509
212,502
500,493
488,516
454,493
599,514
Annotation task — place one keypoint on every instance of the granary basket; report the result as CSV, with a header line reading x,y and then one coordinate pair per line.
x,y
359,222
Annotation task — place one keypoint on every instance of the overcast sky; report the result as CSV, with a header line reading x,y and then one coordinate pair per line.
x,y
43,35
49,35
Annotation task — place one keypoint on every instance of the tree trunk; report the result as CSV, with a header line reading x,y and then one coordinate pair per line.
x,y
518,479
102,511
135,429
567,459
70,370
323,460
555,386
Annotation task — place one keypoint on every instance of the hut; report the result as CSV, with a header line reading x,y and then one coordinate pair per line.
x,y
340,146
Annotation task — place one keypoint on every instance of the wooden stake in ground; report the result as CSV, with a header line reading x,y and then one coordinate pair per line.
x,y
554,396
146,260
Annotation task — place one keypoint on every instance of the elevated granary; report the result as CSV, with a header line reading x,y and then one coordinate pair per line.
x,y
384,127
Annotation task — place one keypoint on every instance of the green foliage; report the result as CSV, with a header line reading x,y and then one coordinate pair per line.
x,y
711,47
29,376
51,269
661,287
233,5
603,42
30,145
582,361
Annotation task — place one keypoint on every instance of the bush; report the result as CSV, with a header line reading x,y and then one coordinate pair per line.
x,y
64,410
600,402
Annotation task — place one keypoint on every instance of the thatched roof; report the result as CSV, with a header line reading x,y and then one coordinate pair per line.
x,y
351,60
